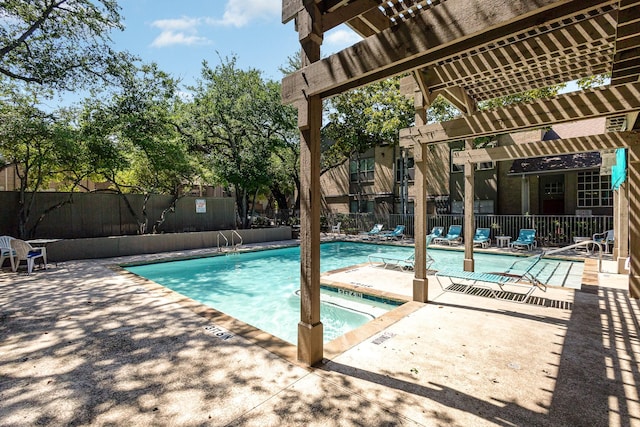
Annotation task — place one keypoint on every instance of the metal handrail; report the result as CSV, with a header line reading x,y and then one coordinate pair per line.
x,y
225,239
235,233
585,243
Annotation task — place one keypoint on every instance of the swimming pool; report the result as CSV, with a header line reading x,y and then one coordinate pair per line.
x,y
259,288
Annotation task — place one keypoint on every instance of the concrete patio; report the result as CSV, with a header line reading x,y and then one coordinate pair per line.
x,y
84,344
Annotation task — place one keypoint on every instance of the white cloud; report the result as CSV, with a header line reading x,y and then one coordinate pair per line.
x,y
184,23
180,31
170,38
339,39
239,13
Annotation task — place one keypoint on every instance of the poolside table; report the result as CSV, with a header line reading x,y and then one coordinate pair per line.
x,y
503,241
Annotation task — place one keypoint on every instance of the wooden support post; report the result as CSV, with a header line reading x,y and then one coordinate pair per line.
x,y
420,281
621,214
469,215
310,330
634,222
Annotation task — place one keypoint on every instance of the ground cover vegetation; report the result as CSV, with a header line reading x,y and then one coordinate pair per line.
x,y
141,132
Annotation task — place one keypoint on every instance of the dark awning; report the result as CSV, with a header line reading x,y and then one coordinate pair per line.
x,y
556,164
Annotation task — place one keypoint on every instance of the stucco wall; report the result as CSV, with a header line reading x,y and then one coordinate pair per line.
x,y
106,247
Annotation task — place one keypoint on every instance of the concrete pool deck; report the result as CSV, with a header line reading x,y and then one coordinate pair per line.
x,y
83,344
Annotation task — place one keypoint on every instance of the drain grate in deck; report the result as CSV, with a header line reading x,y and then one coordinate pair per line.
x,y
508,296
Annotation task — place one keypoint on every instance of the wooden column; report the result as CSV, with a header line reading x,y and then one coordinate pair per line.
x,y
621,215
420,281
634,221
310,331
469,215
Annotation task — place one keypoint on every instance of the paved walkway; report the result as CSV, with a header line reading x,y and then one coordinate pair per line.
x,y
83,344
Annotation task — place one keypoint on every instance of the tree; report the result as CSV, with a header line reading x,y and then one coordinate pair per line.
x,y
364,118
140,122
593,81
61,44
238,122
42,147
530,95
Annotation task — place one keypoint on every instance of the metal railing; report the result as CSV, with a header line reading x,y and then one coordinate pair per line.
x,y
220,248
233,243
551,230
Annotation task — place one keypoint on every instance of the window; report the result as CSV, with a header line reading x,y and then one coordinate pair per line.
x,y
362,206
554,188
362,167
486,165
594,190
410,169
456,168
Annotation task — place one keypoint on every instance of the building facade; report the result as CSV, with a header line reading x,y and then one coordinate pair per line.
x,y
381,180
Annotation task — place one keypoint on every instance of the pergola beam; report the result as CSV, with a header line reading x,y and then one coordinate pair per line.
x,y
441,31
544,112
346,13
604,141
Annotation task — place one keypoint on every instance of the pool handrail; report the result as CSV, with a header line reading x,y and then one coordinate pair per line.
x,y
225,239
233,244
584,243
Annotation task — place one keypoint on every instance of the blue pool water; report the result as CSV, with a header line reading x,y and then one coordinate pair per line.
x,y
259,287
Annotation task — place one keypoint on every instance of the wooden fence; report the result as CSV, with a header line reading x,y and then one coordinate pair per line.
x,y
102,214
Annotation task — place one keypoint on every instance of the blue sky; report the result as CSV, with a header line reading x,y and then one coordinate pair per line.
x,y
178,35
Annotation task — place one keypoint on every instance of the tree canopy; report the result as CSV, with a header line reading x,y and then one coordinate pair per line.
x,y
238,122
364,118
62,44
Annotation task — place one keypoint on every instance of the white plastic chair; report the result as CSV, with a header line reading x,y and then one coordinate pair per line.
x,y
336,228
26,252
605,238
6,251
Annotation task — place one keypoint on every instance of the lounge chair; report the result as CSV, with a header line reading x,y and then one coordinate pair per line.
x,y
526,239
6,251
520,273
435,232
375,230
453,236
401,263
397,233
26,252
482,237
605,238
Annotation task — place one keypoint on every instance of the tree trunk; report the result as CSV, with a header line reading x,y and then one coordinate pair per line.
x,y
170,208
32,231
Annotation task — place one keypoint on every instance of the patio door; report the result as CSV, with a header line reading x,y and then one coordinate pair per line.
x,y
552,194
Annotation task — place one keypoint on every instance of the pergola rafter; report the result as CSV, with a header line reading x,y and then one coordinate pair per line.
x,y
597,102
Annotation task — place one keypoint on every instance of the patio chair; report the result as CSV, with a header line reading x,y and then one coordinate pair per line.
x,y
375,230
400,263
435,232
397,233
6,251
526,239
336,228
453,236
482,237
520,274
605,238
26,252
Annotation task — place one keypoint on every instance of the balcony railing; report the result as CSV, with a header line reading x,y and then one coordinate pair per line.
x,y
552,230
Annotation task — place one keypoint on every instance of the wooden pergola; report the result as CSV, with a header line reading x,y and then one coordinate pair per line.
x,y
468,51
